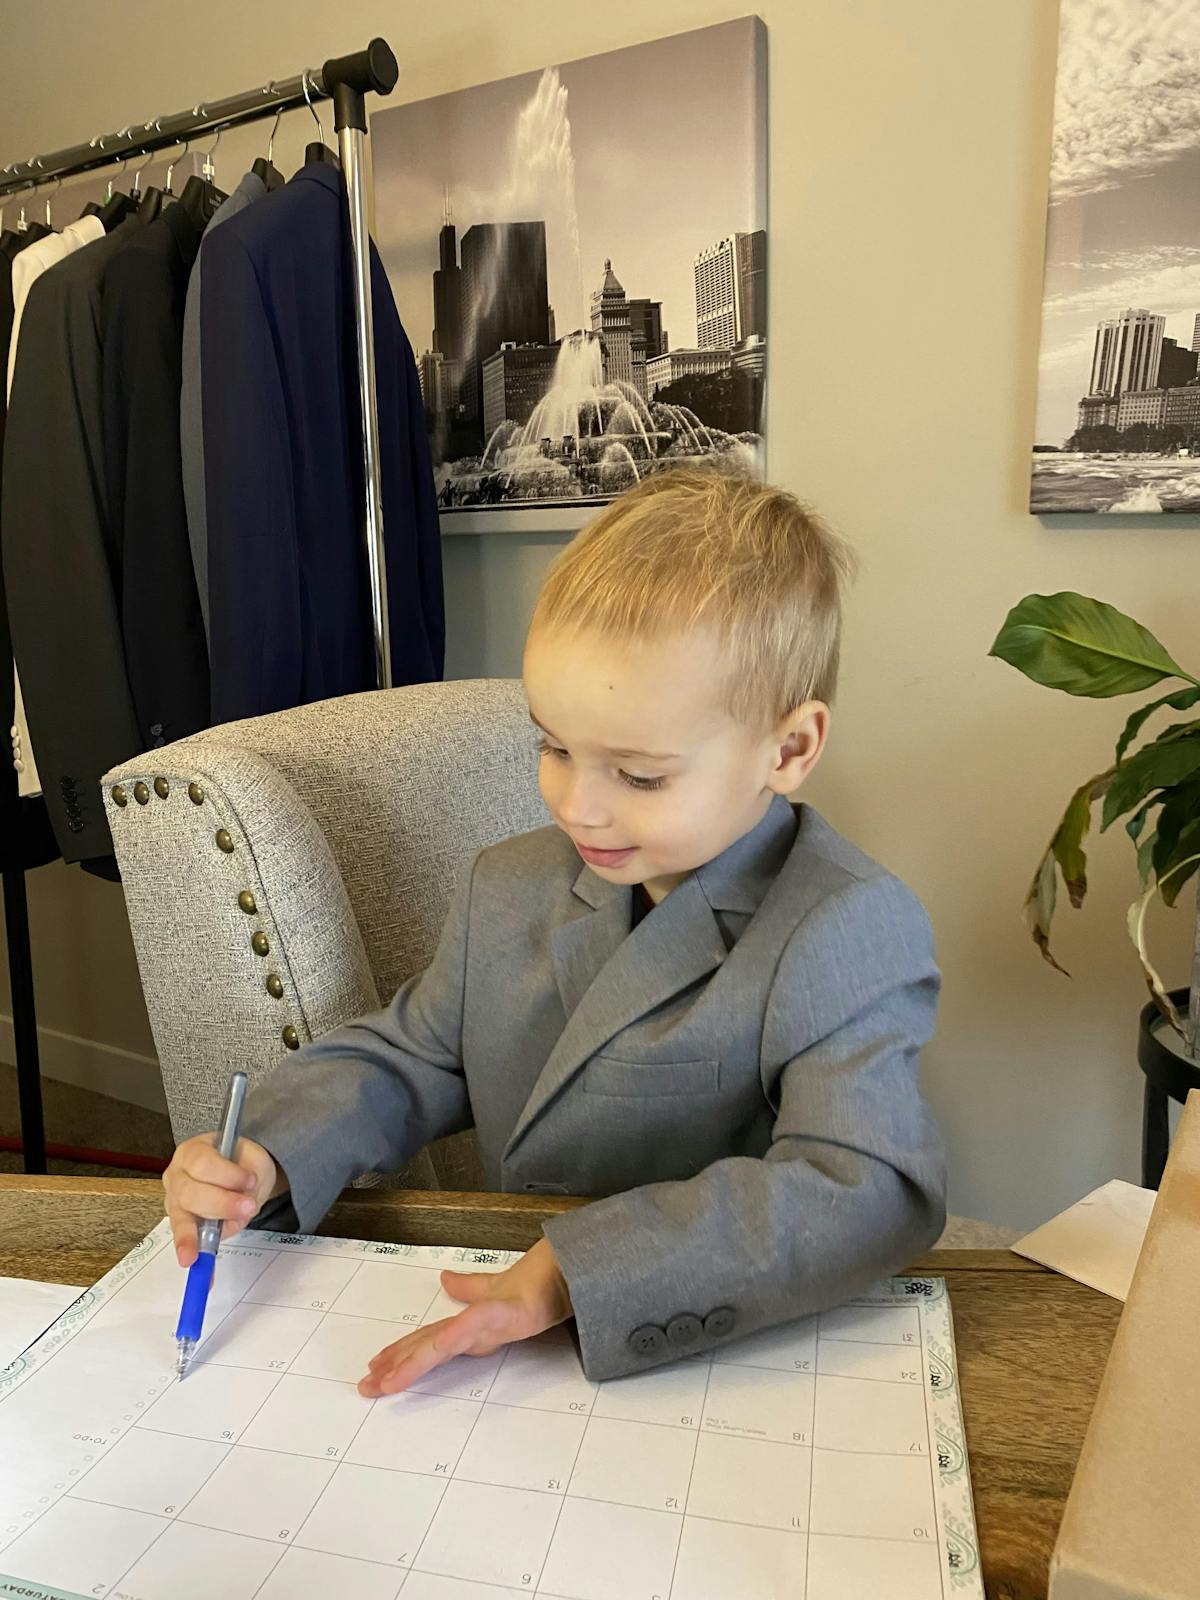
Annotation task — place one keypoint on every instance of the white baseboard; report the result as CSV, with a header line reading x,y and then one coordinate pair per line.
x,y
88,1064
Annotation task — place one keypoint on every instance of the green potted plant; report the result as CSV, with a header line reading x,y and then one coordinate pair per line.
x,y
1084,647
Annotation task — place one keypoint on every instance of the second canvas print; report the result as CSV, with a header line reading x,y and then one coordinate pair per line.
x,y
579,257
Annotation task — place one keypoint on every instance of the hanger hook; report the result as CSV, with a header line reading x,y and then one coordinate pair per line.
x,y
174,162
304,80
49,197
270,89
108,193
156,126
210,171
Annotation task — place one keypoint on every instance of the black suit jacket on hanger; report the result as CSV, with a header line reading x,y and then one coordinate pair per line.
x,y
166,654
26,837
289,605
57,546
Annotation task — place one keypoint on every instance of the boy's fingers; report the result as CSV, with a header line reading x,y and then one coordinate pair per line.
x,y
208,1200
468,1287
206,1165
183,1231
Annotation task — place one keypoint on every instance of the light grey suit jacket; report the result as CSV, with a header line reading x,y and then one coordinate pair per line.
x,y
737,1076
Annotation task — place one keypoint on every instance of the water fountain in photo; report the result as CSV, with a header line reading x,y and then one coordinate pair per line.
x,y
527,419
587,437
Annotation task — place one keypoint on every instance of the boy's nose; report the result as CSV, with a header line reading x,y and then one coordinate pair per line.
x,y
580,806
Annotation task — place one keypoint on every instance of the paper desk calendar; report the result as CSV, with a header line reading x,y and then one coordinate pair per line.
x,y
822,1461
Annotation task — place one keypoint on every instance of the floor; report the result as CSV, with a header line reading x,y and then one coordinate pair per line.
x,y
81,1117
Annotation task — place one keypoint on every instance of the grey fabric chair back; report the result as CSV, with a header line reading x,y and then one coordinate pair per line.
x,y
287,873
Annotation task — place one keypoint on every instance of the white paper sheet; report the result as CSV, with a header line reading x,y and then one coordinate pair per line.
x,y
1098,1240
26,1310
826,1457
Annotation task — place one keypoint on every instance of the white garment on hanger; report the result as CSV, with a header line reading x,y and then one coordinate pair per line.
x,y
27,267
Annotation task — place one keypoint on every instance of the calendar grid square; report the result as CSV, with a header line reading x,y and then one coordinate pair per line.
x,y
566,1480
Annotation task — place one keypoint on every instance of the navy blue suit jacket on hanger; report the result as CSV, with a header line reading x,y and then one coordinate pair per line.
x,y
290,611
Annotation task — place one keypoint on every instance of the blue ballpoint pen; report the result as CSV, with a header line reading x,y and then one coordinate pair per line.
x,y
200,1273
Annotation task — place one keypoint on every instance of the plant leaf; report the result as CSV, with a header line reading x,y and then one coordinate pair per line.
x,y
1180,808
1065,851
1145,857
1180,700
1082,646
1067,844
1039,908
1179,863
1136,919
1155,766
1135,823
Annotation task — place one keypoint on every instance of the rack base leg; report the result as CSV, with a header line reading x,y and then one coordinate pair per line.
x,y
20,972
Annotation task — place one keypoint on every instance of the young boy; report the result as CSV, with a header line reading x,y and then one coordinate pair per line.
x,y
686,996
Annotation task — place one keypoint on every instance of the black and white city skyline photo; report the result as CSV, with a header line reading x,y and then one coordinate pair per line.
x,y
579,258
1118,419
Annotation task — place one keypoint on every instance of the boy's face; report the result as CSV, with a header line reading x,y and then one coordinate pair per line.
x,y
641,764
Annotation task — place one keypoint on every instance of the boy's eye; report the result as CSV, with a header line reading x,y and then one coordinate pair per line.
x,y
545,748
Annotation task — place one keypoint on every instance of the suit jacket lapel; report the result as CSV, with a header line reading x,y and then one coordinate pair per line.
x,y
608,976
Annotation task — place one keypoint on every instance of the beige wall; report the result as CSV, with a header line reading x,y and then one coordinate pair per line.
x,y
908,149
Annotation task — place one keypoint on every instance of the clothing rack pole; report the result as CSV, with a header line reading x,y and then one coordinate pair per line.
x,y
374,68
345,80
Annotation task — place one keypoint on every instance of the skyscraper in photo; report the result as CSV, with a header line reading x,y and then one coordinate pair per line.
x,y
504,297
731,290
447,293
1126,353
610,319
1196,333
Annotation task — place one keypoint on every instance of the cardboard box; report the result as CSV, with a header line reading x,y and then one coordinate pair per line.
x,y
1132,1525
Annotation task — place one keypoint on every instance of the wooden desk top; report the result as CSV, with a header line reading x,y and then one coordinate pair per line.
x,y
1031,1345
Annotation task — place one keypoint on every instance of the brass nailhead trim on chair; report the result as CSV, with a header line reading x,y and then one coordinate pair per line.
x,y
195,794
224,842
162,788
291,1038
260,944
141,794
120,797
247,902
275,987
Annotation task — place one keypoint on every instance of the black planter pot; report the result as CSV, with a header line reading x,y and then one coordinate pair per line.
x,y
1168,1077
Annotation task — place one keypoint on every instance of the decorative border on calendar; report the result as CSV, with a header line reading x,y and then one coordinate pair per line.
x,y
80,1312
24,1589
959,1540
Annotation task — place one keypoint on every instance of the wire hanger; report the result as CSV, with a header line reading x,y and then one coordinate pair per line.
x,y
209,171
151,202
318,150
265,168
49,197
174,162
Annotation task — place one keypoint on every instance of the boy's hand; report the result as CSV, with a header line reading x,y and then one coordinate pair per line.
x,y
198,1183
501,1307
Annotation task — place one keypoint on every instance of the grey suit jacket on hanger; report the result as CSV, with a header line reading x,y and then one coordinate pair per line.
x,y
191,412
737,1076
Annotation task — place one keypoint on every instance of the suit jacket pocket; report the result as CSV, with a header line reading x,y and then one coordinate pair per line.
x,y
606,1075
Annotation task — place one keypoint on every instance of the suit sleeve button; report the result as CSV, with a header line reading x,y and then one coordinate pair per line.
x,y
683,1329
647,1340
719,1324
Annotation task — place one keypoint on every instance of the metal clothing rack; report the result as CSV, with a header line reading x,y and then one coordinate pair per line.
x,y
345,80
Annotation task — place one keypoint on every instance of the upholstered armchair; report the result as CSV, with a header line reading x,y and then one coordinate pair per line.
x,y
287,873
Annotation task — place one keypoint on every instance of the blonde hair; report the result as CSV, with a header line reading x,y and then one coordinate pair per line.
x,y
691,547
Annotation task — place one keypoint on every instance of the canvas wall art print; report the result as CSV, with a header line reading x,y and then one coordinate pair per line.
x,y
1118,417
579,258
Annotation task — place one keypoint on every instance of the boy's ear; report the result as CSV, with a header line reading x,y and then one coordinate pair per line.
x,y
799,739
